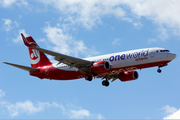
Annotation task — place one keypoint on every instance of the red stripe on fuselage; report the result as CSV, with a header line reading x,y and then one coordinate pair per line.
x,y
51,72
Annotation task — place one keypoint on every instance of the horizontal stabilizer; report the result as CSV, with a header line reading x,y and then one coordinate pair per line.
x,y
22,67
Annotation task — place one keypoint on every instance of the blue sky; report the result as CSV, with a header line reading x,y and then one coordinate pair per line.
x,y
84,28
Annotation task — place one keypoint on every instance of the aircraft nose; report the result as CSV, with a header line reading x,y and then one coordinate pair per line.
x,y
172,56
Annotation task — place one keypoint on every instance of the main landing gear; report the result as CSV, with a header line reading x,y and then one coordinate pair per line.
x,y
88,77
105,83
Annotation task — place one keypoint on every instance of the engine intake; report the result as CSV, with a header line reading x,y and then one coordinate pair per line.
x,y
100,66
129,75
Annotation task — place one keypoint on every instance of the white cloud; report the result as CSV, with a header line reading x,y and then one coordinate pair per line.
x,y
90,12
80,114
18,39
2,93
16,24
9,3
137,24
7,25
171,112
175,115
163,35
77,112
99,116
152,40
27,107
23,107
58,38
161,12
116,41
87,12
65,43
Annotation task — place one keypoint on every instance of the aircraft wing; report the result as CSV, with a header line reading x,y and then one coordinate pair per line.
x,y
82,65
22,67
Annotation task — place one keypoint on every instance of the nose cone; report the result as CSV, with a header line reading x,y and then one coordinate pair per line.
x,y
172,56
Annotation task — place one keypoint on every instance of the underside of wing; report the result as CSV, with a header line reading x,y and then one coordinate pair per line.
x,y
23,67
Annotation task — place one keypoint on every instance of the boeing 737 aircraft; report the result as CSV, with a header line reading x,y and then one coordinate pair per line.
x,y
114,66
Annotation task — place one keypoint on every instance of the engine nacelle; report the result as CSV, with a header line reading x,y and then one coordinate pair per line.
x,y
129,75
100,66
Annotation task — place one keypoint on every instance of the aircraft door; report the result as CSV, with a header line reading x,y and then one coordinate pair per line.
x,y
152,54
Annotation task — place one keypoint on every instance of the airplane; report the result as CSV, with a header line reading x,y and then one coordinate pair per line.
x,y
121,65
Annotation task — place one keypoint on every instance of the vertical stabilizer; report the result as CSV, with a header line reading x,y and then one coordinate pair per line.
x,y
37,58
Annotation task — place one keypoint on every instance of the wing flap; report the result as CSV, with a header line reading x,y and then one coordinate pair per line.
x,y
22,67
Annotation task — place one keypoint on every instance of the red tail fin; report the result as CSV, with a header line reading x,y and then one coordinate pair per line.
x,y
38,59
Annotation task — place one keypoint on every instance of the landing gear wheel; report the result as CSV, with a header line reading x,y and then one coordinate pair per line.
x,y
88,77
159,70
105,83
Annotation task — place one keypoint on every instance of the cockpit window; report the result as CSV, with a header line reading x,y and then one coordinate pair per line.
x,y
164,51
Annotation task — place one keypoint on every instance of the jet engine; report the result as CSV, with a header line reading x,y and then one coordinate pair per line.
x,y
129,75
100,66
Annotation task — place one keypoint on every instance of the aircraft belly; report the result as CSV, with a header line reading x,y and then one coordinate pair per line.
x,y
58,74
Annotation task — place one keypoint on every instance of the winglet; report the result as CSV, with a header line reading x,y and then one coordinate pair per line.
x,y
25,41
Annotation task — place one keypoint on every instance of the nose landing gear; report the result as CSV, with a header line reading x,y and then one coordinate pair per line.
x,y
159,70
162,65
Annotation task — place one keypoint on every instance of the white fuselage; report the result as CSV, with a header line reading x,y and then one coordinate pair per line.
x,y
128,58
